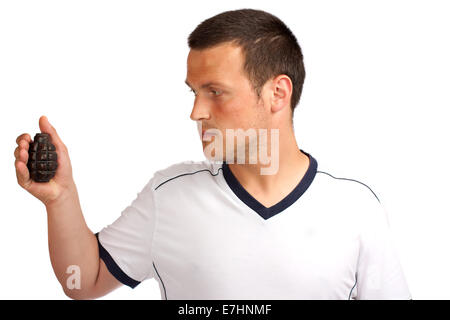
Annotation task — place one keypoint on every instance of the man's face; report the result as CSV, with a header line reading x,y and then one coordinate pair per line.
x,y
224,97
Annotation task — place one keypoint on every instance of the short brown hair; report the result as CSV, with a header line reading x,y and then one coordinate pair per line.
x,y
269,46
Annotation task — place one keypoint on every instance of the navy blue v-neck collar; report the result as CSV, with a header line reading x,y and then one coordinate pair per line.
x,y
260,209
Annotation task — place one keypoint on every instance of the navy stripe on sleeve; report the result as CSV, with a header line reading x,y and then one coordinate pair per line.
x,y
114,268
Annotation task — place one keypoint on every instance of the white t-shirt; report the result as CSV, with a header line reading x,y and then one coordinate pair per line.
x,y
201,235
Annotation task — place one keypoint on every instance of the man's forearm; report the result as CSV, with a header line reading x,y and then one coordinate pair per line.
x,y
71,243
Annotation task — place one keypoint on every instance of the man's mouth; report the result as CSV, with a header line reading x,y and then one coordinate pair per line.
x,y
207,134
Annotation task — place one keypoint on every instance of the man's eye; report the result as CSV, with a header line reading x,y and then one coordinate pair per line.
x,y
215,92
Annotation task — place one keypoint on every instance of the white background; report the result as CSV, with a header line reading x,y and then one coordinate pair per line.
x,y
109,75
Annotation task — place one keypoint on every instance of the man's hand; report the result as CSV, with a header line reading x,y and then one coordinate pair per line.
x,y
61,184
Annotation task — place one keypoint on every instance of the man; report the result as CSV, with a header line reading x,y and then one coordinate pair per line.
x,y
223,229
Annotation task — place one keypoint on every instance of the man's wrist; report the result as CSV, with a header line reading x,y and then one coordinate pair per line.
x,y
66,196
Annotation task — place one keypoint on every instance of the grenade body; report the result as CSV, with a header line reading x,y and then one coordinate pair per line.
x,y
42,158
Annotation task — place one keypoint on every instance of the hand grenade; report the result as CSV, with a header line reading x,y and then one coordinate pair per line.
x,y
42,158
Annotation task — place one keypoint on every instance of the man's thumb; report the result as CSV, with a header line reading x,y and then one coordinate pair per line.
x,y
46,127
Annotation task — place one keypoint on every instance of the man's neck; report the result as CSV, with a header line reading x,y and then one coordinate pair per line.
x,y
270,189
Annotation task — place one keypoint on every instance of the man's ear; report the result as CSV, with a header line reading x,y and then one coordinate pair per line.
x,y
282,92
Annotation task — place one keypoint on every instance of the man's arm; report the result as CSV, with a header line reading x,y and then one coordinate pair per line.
x,y
380,274
71,242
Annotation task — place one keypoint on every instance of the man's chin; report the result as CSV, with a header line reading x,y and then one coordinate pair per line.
x,y
212,157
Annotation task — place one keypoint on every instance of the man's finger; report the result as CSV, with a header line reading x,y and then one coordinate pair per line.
x,y
23,155
23,144
25,136
23,176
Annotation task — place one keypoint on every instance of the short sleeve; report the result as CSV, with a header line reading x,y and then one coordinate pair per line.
x,y
379,273
126,245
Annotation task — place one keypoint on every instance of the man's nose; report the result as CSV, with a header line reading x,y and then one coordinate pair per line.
x,y
200,111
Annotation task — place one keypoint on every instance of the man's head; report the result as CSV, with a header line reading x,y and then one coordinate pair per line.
x,y
246,70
